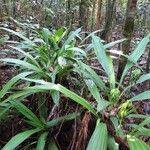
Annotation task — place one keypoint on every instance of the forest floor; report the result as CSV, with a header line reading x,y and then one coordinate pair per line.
x,y
74,134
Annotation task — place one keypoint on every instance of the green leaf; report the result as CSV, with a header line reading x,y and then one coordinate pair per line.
x,y
3,39
19,35
136,144
118,129
135,55
89,73
77,51
26,112
141,130
42,107
18,95
71,37
3,112
78,99
93,89
99,138
143,78
104,59
25,54
50,86
58,35
45,35
19,138
102,105
52,145
21,63
11,82
55,96
136,116
142,96
109,45
112,145
41,141
65,118
141,125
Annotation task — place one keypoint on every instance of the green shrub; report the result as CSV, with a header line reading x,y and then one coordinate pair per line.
x,y
46,60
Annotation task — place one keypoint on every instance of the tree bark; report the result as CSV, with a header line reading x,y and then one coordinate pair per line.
x,y
106,34
83,15
93,16
127,33
68,7
98,14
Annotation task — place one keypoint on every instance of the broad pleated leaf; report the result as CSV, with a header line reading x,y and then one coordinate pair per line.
x,y
21,63
59,34
99,138
19,35
142,96
11,82
112,145
3,39
93,90
50,86
104,59
56,97
18,95
116,125
26,112
143,78
3,112
25,54
141,130
136,116
102,105
19,138
141,125
111,44
71,37
135,55
65,118
52,145
89,73
42,141
136,144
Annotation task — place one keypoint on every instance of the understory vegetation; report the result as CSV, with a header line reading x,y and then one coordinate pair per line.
x,y
66,89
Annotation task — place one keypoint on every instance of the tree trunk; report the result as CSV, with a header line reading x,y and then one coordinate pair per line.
x,y
68,6
106,34
127,33
98,14
93,16
83,15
